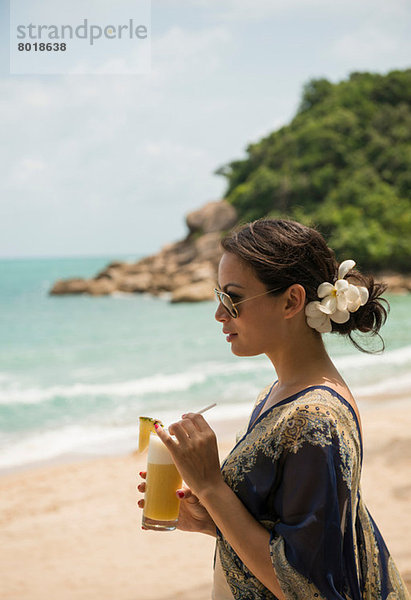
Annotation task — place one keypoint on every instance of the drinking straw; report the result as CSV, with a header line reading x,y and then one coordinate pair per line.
x,y
203,410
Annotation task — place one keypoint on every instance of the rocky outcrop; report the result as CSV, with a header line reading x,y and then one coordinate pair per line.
x,y
194,292
396,282
185,270
214,216
74,285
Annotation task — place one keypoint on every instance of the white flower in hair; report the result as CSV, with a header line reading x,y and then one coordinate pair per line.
x,y
337,301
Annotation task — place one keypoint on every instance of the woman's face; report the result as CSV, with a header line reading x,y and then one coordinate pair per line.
x,y
259,325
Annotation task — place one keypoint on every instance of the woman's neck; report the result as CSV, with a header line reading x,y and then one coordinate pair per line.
x,y
302,362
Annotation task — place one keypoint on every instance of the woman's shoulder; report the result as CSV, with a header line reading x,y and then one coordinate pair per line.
x,y
319,411
331,402
318,400
321,400
316,411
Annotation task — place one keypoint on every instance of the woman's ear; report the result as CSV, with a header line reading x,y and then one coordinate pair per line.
x,y
294,300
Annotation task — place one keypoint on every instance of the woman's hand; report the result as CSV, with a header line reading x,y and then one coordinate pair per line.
x,y
192,516
195,452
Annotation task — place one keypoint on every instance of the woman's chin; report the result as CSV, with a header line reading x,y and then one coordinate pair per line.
x,y
238,351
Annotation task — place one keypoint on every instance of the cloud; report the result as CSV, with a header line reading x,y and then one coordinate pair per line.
x,y
381,36
257,10
93,146
26,172
181,51
366,43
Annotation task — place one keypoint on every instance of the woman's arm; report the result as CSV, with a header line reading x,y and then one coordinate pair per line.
x,y
195,454
245,535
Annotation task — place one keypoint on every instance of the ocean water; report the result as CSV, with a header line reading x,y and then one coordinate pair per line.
x,y
76,371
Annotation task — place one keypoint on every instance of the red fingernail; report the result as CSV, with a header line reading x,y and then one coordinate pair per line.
x,y
184,415
180,494
141,473
156,426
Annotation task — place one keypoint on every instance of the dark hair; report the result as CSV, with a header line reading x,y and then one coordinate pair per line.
x,y
282,252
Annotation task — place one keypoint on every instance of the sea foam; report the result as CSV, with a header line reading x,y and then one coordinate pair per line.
x,y
154,384
163,383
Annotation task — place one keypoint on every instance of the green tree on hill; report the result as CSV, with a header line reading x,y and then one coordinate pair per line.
x,y
343,164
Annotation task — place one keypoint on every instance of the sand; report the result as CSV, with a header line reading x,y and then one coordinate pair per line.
x,y
72,531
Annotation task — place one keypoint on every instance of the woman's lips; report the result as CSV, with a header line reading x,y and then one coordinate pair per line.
x,y
230,337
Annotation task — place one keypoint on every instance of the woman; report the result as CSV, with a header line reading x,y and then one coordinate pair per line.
x,y
286,505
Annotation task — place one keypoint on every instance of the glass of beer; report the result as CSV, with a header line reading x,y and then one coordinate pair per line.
x,y
161,505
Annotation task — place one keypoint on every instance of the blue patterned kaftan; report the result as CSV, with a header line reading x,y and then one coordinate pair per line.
x,y
297,470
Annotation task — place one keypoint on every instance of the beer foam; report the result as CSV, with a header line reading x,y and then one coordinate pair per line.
x,y
157,452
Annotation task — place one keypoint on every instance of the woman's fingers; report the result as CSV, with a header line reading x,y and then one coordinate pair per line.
x,y
198,420
142,488
187,495
189,427
184,493
191,423
165,437
178,431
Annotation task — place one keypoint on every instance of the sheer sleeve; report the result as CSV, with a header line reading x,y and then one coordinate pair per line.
x,y
311,501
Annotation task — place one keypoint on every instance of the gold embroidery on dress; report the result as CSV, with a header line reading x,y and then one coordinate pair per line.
x,y
369,558
287,427
400,592
242,583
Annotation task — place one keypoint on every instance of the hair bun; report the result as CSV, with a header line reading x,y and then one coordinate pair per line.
x,y
370,317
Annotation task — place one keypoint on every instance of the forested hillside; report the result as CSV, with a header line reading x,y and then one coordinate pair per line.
x,y
343,164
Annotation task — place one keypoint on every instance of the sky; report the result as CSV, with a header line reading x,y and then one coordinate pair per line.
x,y
111,164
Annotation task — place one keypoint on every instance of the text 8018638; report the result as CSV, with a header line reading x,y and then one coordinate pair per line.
x,y
42,47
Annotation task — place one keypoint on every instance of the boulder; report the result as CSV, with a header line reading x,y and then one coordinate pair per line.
x,y
136,268
208,247
138,283
115,265
115,273
202,272
181,279
182,253
213,216
192,273
161,282
194,292
100,287
397,283
75,285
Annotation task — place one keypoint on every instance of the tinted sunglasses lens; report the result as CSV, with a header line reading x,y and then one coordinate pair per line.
x,y
227,303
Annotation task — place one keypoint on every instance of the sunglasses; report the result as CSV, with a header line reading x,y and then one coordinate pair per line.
x,y
230,306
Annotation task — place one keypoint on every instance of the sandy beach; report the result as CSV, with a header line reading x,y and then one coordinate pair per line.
x,y
72,530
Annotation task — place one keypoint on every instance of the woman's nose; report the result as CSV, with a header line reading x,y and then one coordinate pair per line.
x,y
221,314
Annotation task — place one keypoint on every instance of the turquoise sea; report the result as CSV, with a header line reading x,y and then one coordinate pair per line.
x,y
76,371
